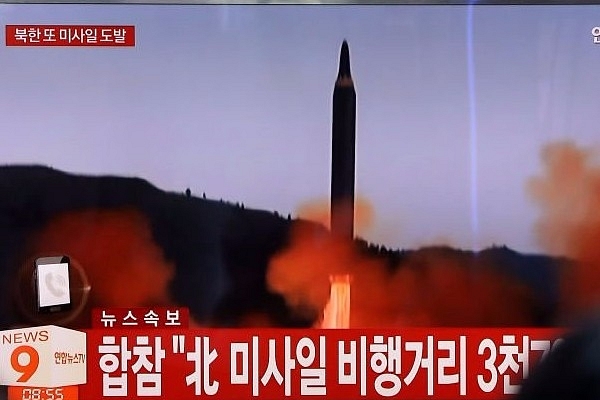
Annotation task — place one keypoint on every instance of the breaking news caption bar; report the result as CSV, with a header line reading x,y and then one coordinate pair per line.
x,y
269,363
169,360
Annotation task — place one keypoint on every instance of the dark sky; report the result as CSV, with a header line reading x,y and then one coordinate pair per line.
x,y
454,105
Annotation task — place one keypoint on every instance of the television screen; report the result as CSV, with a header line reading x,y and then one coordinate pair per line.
x,y
429,172
237,160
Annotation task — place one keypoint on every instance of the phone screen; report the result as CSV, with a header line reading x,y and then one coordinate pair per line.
x,y
52,284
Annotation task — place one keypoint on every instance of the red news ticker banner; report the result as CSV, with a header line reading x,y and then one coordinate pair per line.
x,y
71,35
335,364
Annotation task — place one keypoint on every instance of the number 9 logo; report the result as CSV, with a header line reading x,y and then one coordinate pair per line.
x,y
25,369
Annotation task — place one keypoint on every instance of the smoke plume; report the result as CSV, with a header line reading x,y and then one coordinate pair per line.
x,y
124,266
319,211
568,192
430,287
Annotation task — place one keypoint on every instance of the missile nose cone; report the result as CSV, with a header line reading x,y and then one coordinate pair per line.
x,y
344,70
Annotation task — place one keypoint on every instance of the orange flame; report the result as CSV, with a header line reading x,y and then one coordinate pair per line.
x,y
337,311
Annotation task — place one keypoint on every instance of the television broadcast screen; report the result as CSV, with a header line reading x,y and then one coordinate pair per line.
x,y
420,182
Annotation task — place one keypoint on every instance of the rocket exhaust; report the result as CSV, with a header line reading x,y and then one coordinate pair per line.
x,y
337,311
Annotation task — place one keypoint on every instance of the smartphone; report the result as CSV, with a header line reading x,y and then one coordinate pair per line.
x,y
51,275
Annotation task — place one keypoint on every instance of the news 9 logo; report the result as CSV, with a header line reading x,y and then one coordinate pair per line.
x,y
596,34
45,356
